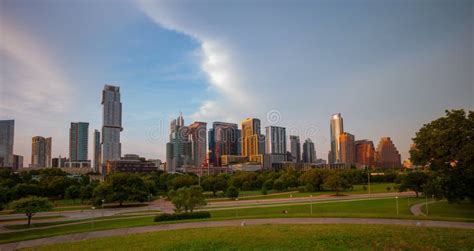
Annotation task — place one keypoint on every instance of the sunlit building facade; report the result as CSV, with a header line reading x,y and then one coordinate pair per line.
x,y
253,144
387,155
198,140
365,153
347,148
336,129
41,152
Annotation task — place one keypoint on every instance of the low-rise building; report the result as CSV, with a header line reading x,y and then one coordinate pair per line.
x,y
131,163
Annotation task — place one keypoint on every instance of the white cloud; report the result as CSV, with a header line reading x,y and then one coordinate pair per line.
x,y
33,91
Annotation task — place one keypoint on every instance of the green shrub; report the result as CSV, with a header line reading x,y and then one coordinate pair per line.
x,y
183,216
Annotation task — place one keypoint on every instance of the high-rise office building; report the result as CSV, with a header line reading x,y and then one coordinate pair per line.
x,y
253,144
365,153
17,162
275,140
78,141
387,155
223,140
347,148
295,148
7,134
197,138
97,153
41,152
309,152
178,149
337,129
112,124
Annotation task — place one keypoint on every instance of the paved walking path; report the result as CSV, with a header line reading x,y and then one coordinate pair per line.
x,y
227,223
416,209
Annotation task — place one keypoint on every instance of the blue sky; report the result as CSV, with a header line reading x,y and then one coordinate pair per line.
x,y
387,66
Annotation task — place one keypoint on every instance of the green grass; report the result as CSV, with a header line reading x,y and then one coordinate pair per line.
x,y
358,189
77,228
464,209
376,208
36,218
285,237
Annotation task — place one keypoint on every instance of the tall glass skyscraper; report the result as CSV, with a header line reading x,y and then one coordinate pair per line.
x,y
7,131
41,151
112,124
336,130
78,141
275,140
97,152
223,140
295,148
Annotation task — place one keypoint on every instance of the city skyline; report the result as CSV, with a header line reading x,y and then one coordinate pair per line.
x,y
203,70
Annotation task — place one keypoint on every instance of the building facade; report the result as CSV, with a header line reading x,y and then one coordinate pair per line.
x,y
97,153
253,143
295,148
387,155
198,141
309,152
79,141
365,153
17,162
131,163
336,129
178,149
7,134
41,152
347,148
275,140
112,123
224,139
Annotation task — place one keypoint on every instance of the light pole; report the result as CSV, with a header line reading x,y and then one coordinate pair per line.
x,y
368,178
396,199
311,204
426,199
93,217
236,209
103,202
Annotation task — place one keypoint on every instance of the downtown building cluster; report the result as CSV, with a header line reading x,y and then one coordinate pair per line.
x,y
193,147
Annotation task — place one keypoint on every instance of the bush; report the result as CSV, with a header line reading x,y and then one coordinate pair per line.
x,y
264,191
183,216
232,192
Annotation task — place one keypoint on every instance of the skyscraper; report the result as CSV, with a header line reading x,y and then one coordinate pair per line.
x,y
7,134
336,129
309,153
197,138
112,124
97,152
275,140
365,153
223,140
41,152
347,149
78,141
295,148
253,144
387,155
178,149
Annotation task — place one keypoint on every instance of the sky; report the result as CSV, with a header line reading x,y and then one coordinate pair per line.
x,y
388,66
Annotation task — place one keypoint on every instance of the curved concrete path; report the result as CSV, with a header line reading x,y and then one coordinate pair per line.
x,y
416,209
227,223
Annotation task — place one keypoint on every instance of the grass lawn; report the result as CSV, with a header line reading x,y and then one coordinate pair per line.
x,y
285,237
377,208
358,189
445,209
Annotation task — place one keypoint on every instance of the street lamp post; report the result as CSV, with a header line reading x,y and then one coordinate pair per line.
x,y
396,199
93,217
368,178
103,202
236,209
426,199
311,204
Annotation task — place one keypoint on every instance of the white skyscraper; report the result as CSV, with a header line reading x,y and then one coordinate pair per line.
x,y
336,130
112,124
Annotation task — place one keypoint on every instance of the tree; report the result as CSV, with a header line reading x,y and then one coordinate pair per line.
x,y
73,192
413,181
214,184
315,177
30,206
445,146
232,192
279,185
121,187
24,190
187,198
336,182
